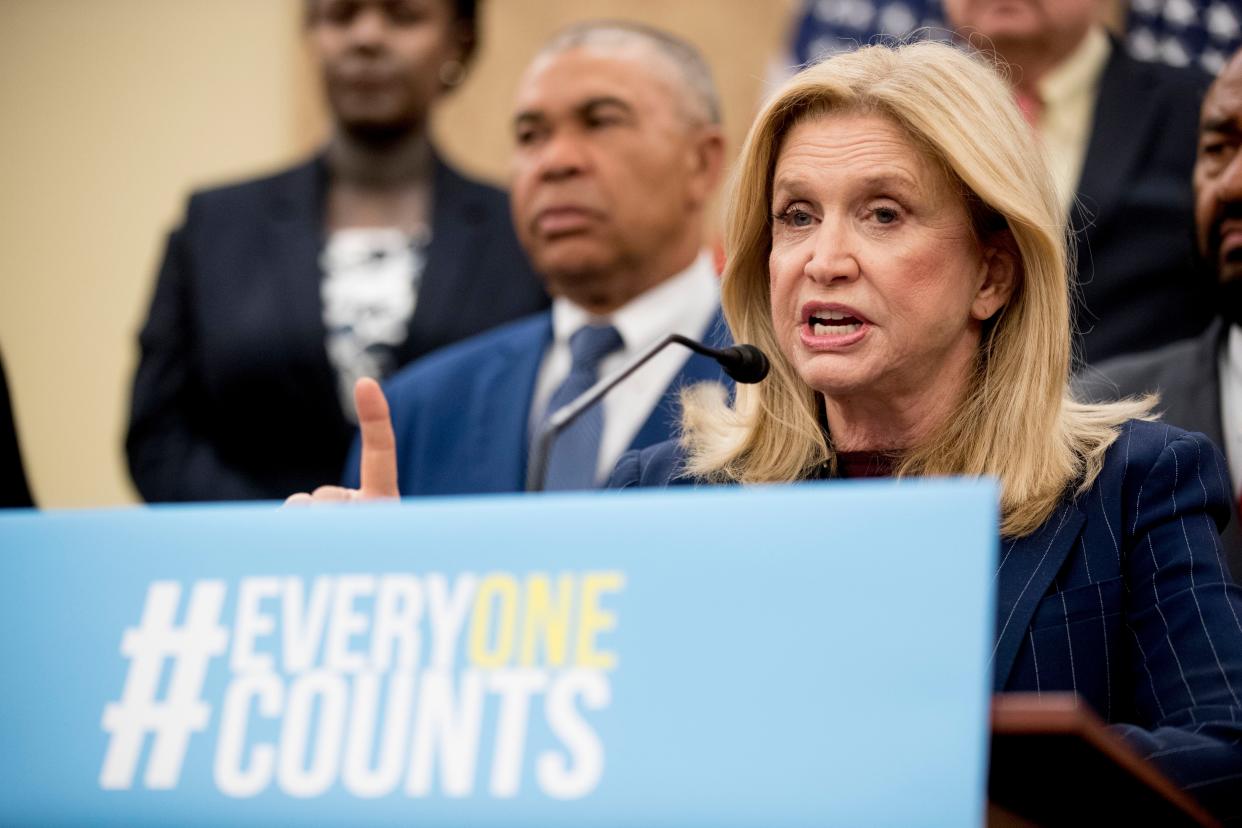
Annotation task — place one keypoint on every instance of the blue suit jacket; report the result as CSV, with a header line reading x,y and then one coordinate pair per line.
x,y
461,414
1123,597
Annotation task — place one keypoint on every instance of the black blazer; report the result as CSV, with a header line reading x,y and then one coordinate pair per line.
x,y
234,397
1134,214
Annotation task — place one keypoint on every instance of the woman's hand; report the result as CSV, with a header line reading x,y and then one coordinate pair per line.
x,y
378,469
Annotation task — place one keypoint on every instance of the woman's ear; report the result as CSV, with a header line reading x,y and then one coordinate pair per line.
x,y
1000,270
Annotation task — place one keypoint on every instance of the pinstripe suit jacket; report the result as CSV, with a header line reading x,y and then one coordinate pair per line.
x,y
1123,597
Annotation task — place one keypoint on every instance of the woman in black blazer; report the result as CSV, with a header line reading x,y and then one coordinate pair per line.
x,y
276,294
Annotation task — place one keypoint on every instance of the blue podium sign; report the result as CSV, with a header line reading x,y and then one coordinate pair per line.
x,y
813,654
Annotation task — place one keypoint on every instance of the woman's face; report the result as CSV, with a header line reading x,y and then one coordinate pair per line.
x,y
878,282
382,59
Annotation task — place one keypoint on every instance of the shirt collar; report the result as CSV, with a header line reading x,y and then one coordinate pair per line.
x,y
649,316
1233,347
1079,72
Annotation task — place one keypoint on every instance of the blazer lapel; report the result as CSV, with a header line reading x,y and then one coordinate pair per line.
x,y
1123,110
295,237
456,223
664,420
500,427
1027,567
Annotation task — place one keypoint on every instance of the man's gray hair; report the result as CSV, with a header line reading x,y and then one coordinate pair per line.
x,y
695,75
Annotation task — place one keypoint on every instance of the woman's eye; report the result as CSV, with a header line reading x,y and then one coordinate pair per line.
x,y
885,215
795,217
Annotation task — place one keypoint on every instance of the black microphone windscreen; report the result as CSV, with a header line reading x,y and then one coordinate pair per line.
x,y
744,363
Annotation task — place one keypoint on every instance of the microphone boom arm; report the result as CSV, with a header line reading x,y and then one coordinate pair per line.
x,y
537,468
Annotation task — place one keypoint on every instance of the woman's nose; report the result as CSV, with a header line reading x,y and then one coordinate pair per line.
x,y
832,254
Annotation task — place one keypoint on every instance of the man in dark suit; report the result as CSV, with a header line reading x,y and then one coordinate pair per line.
x,y
1200,380
276,294
619,148
1121,137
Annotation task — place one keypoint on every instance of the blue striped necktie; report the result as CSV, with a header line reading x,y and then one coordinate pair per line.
x,y
575,451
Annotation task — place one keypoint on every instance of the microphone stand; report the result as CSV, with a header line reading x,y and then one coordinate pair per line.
x,y
565,415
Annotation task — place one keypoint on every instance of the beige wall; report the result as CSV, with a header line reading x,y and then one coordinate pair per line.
x,y
115,109
112,110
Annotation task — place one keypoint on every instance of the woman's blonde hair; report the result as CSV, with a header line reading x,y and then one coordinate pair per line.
x,y
1017,421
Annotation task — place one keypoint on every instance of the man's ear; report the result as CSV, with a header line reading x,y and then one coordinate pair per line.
x,y
707,158
999,273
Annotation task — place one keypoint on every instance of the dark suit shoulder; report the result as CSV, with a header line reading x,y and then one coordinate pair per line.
x,y
473,190
1173,94
256,191
441,369
1140,442
1142,373
1150,456
1175,367
1159,75
656,466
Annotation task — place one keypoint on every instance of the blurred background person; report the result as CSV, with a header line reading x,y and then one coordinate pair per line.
x,y
618,150
277,294
1200,380
1120,135
1176,32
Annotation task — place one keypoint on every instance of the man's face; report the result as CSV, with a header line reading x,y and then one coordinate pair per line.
x,y
1218,175
381,59
606,172
1054,25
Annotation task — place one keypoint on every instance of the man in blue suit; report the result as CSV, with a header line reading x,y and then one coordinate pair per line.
x,y
618,150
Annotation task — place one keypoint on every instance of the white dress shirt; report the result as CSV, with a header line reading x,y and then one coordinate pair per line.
x,y
1231,404
683,304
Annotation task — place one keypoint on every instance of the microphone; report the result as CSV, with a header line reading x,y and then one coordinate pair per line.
x,y
743,363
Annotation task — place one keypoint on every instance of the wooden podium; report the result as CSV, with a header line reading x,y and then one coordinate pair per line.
x,y
1054,762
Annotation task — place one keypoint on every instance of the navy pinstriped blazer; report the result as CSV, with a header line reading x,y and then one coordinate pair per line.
x,y
1121,596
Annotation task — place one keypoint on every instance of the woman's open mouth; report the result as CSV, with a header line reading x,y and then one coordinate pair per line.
x,y
833,323
832,326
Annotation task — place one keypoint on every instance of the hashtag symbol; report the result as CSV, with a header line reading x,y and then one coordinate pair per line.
x,y
182,711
